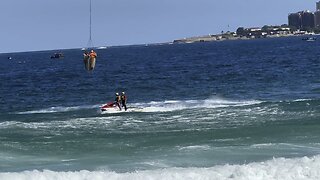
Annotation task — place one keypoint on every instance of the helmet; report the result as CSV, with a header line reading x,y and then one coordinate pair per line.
x,y
123,93
117,94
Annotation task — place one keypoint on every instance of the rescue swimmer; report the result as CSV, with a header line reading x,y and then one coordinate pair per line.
x,y
89,60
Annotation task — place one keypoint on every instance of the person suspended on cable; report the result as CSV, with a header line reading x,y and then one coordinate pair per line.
x,y
117,101
85,55
124,100
93,54
92,60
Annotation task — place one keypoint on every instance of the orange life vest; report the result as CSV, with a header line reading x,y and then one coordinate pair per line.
x,y
93,55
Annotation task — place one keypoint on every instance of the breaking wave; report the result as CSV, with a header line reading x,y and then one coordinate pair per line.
x,y
176,105
163,106
57,109
305,168
156,106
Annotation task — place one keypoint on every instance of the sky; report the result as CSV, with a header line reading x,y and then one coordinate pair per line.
x,y
33,25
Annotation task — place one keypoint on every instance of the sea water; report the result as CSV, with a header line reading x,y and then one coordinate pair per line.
x,y
245,109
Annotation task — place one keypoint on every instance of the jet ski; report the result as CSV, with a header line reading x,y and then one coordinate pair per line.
x,y
109,107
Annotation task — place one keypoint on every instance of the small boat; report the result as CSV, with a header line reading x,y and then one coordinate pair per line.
x,y
310,39
102,47
57,56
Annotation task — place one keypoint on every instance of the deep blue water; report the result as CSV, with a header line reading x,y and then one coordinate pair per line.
x,y
201,105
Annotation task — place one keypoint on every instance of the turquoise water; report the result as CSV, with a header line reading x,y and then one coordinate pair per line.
x,y
228,110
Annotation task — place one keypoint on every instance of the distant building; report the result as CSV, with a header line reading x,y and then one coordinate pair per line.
x,y
307,20
294,19
318,6
302,20
317,19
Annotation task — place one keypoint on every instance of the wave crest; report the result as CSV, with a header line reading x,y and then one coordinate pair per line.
x,y
305,168
156,106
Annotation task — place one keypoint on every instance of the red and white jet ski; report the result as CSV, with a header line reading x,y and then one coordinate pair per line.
x,y
109,107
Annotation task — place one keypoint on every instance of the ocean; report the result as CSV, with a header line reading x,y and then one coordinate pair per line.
x,y
243,110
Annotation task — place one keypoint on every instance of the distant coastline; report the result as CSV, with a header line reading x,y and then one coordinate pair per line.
x,y
240,34
248,33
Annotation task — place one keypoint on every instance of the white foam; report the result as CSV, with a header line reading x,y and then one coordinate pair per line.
x,y
172,105
57,109
196,147
72,123
301,100
311,147
160,106
305,168
154,106
115,110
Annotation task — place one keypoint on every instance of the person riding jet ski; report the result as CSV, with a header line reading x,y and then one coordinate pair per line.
x,y
124,100
117,101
